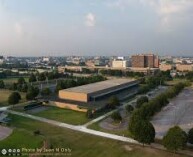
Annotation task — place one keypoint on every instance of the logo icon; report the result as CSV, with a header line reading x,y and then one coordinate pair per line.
x,y
3,151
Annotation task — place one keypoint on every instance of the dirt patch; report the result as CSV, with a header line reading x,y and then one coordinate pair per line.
x,y
128,148
109,124
150,150
4,132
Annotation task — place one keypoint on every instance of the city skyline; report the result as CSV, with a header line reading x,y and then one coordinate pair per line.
x,y
109,27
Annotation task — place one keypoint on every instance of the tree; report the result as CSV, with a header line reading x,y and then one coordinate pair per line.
x,y
41,77
2,85
141,101
116,116
89,113
14,98
24,87
113,102
190,136
134,120
175,139
32,78
45,92
129,108
21,80
145,132
32,93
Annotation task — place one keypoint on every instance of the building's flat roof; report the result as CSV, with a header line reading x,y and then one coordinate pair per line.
x,y
94,87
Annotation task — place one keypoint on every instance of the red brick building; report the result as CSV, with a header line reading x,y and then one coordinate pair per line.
x,y
145,60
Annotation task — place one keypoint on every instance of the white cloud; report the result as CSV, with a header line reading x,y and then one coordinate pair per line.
x,y
171,12
90,20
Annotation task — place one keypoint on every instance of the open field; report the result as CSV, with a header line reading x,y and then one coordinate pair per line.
x,y
175,81
13,80
82,145
63,115
21,138
178,112
4,94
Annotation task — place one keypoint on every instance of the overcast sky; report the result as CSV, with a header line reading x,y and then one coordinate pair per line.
x,y
96,27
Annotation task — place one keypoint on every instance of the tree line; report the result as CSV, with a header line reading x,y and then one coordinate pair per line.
x,y
121,73
187,75
63,84
139,126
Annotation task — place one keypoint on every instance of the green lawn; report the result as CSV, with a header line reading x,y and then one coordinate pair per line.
x,y
82,145
4,94
21,138
175,81
64,115
95,126
13,80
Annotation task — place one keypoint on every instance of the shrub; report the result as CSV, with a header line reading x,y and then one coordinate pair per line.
x,y
116,116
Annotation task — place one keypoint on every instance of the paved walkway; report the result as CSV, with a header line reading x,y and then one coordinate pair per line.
x,y
4,132
94,132
124,104
76,128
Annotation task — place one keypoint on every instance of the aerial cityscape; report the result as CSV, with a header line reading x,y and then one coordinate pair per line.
x,y
96,78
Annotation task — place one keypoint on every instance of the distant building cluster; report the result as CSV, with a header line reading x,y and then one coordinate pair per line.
x,y
176,64
144,63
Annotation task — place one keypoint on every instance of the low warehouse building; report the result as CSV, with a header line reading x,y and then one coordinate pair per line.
x,y
95,91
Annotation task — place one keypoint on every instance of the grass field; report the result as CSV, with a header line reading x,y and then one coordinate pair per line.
x,y
13,80
4,94
175,81
20,139
64,115
82,145
95,126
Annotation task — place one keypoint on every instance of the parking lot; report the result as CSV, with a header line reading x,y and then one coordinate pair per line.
x,y
178,112
108,122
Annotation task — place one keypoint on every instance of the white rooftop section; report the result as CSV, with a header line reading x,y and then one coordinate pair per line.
x,y
95,87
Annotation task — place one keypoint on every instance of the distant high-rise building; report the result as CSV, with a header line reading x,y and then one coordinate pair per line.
x,y
156,62
138,61
149,60
145,60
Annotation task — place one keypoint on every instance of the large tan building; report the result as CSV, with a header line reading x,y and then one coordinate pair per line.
x,y
62,69
165,67
94,91
121,64
184,67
